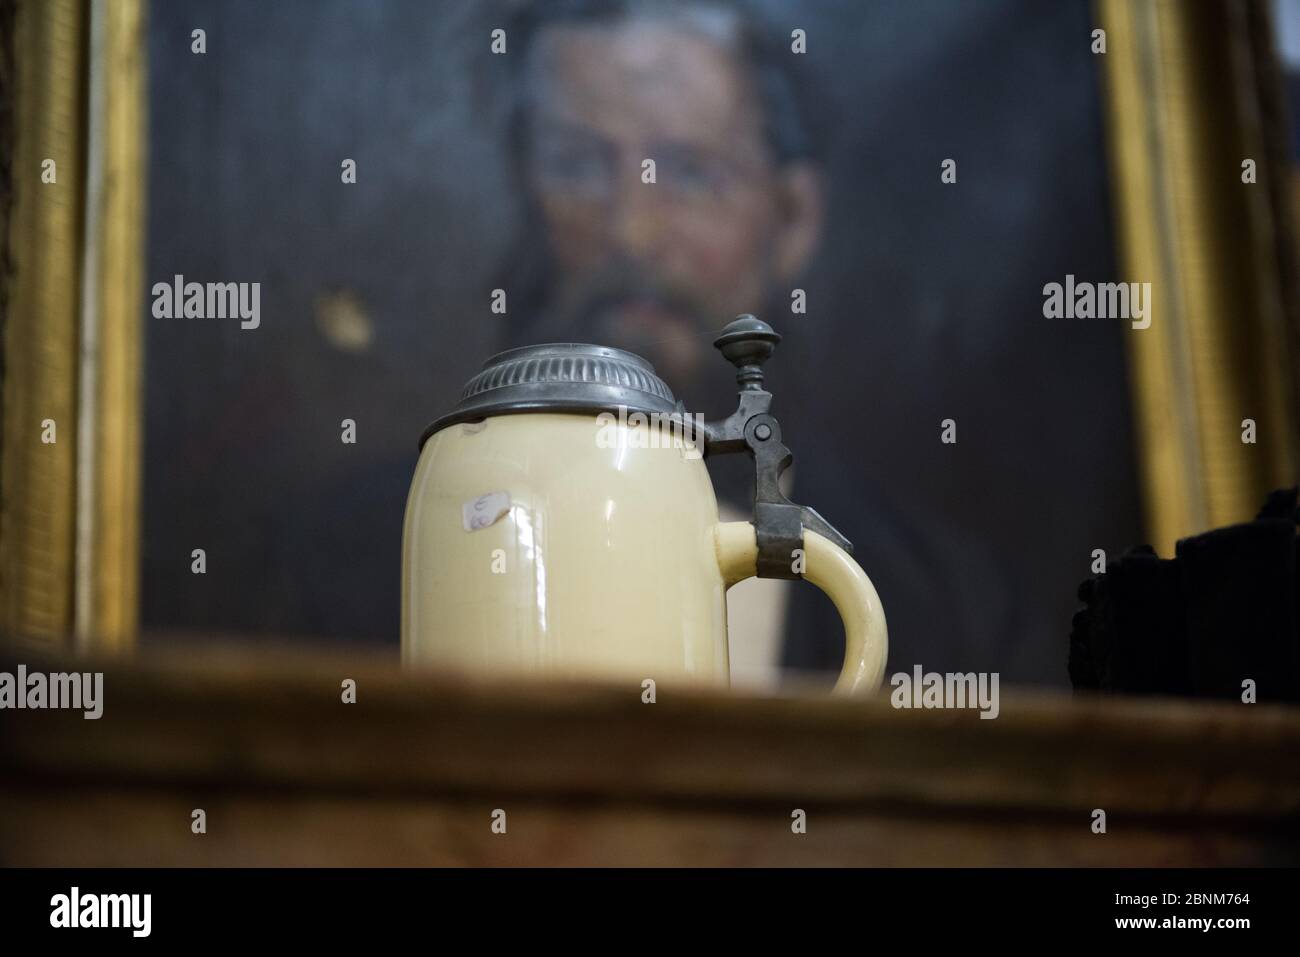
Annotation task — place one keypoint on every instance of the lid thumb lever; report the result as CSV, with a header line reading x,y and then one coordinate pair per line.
x,y
747,342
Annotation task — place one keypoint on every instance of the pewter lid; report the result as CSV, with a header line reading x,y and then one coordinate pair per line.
x,y
559,377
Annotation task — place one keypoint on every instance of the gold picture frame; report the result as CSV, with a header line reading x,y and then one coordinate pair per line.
x,y
70,458
1188,93
1190,90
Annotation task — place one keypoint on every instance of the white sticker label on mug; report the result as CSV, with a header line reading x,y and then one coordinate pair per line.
x,y
484,511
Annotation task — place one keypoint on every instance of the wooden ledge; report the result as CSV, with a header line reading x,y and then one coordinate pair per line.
x,y
1215,782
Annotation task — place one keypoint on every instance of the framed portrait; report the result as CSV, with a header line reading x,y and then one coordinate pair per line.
x,y
1033,266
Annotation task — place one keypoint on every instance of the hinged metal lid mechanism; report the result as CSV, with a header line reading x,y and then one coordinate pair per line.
x,y
560,377
572,377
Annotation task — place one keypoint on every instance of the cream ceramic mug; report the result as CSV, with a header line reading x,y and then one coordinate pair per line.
x,y
561,521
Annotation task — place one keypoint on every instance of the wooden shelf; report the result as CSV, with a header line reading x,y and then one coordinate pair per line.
x,y
589,775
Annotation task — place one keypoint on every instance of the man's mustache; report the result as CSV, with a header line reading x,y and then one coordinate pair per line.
x,y
595,308
590,310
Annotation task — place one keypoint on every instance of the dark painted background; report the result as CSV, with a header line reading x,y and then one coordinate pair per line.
x,y
925,303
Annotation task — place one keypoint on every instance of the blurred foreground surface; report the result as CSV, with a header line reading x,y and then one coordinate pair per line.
x,y
414,771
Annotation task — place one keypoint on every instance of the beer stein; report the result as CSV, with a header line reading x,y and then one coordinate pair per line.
x,y
561,522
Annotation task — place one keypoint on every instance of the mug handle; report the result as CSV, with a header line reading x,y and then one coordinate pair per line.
x,y
832,570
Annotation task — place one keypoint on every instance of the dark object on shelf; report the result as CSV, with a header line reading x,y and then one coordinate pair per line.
x,y
1222,611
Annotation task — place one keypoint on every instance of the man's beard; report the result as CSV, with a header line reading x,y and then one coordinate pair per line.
x,y
624,309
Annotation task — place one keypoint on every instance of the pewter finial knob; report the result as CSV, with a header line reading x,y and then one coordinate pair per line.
x,y
747,342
